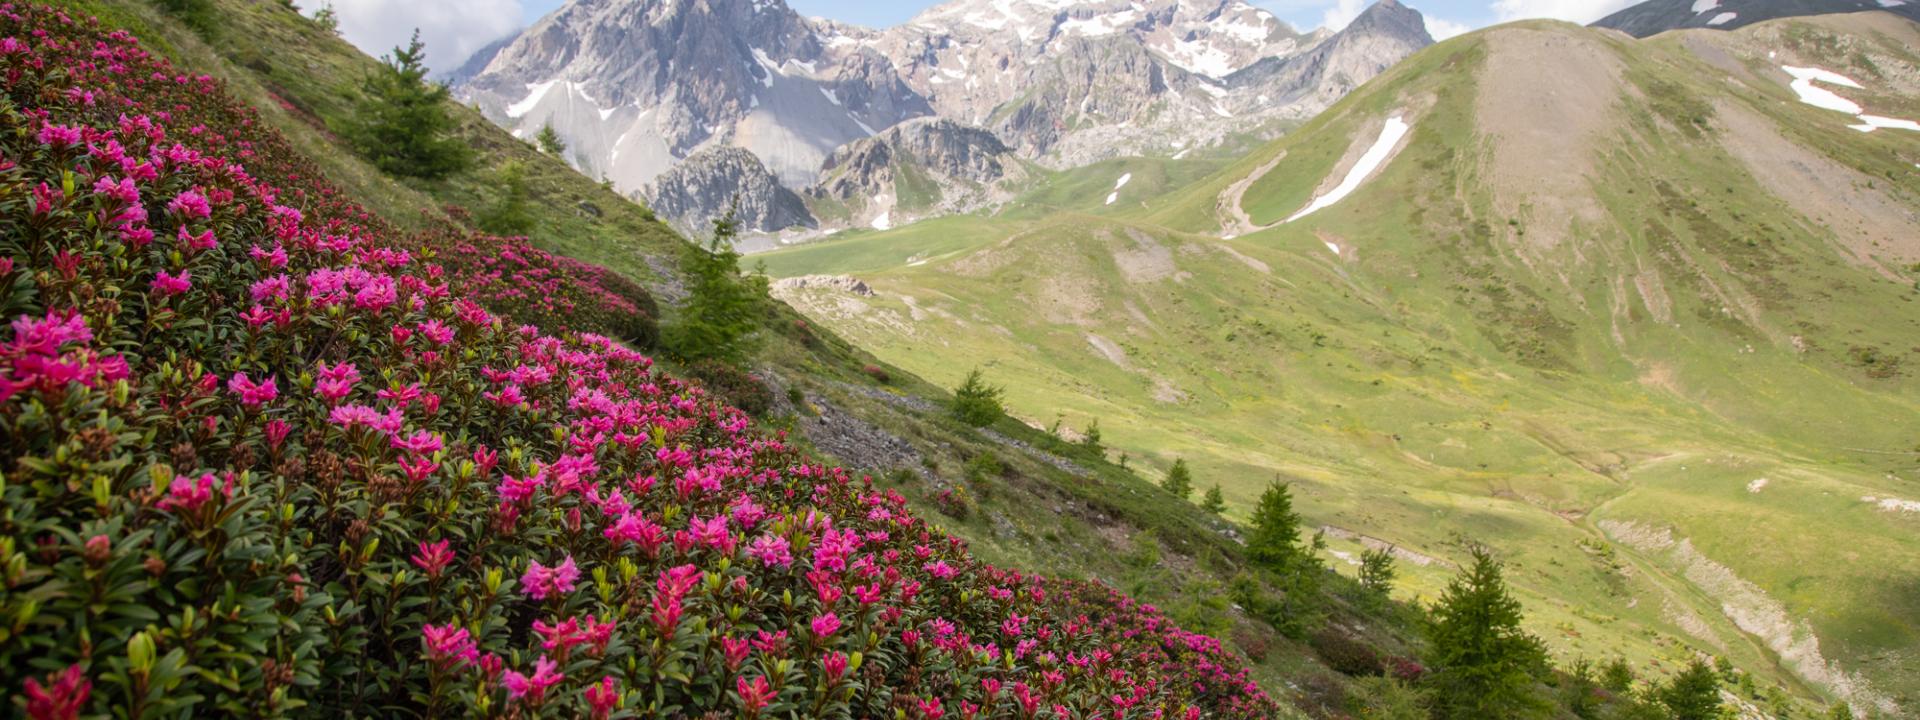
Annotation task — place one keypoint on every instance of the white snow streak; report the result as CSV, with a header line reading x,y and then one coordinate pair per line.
x,y
539,90
1390,135
1803,79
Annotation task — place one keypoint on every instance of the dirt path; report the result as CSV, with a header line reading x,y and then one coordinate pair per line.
x,y
1234,221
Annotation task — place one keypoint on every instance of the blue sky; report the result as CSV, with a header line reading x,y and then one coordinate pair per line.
x,y
454,29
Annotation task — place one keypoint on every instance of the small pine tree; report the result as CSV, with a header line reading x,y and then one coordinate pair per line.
x,y
549,141
402,125
1485,662
1617,676
1581,690
721,308
1274,542
1179,480
976,403
512,214
1694,694
1214,502
1376,572
1274,546
1090,439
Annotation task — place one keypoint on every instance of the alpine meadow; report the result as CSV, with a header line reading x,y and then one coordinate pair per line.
x,y
1026,359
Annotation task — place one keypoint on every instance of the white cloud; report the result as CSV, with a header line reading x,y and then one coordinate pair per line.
x,y
1342,13
1580,11
1443,29
452,29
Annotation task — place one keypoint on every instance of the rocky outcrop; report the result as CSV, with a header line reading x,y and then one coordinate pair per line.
x,y
709,183
1312,81
637,87
921,167
1657,16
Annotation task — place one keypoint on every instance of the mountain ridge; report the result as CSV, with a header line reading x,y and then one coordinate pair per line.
x,y
1064,84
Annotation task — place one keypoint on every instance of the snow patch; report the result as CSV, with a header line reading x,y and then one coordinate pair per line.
x,y
884,222
1335,249
1723,18
1803,85
1390,135
1757,485
831,97
863,126
1122,182
1112,196
1892,3
1700,6
1099,25
537,91
1868,123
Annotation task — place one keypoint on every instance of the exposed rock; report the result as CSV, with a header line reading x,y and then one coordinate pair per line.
x,y
636,87
836,282
1657,16
921,167
1314,80
710,182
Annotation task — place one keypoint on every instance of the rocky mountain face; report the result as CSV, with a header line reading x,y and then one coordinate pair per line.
x,y
918,168
722,177
636,86
1657,16
639,86
1380,37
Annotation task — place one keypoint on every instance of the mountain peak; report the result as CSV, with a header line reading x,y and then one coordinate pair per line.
x,y
1391,16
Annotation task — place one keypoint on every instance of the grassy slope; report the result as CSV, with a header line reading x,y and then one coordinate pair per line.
x,y
1079,517
1436,389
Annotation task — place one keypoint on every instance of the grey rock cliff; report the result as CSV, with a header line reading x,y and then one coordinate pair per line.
x,y
703,187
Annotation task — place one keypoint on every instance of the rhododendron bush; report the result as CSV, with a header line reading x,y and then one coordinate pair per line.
x,y
265,455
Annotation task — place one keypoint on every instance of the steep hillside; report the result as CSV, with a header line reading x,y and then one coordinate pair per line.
x,y
1629,310
370,493
1019,496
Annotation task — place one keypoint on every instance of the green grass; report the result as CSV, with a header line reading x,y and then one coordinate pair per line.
x,y
1039,515
1456,381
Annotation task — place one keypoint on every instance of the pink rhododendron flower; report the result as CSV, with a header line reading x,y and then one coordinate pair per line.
x,y
433,558
252,394
824,626
771,550
62,697
190,205
167,283
545,675
541,582
449,646
603,697
187,493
